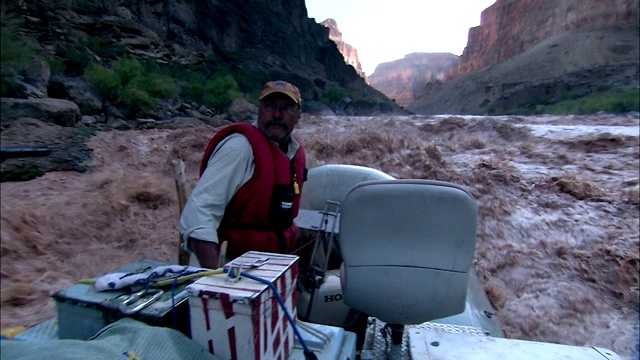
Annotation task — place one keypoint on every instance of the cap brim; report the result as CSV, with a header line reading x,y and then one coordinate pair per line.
x,y
273,91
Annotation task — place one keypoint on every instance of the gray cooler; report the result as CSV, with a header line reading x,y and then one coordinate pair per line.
x,y
83,311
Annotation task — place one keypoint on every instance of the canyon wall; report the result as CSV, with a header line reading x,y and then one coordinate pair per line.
x,y
510,27
266,38
405,80
349,53
528,54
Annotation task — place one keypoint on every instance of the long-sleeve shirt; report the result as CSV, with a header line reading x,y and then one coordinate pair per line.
x,y
230,166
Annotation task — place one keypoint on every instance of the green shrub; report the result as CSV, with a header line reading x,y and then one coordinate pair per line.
x,y
21,173
9,79
190,82
209,83
620,101
75,58
15,52
129,85
333,95
250,81
386,106
104,80
57,67
220,92
193,91
160,86
138,100
87,132
15,49
613,101
127,69
71,58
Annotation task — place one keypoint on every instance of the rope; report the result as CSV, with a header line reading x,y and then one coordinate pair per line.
x,y
178,280
308,354
184,278
317,333
305,245
174,314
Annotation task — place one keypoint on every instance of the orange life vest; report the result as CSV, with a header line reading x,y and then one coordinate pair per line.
x,y
260,215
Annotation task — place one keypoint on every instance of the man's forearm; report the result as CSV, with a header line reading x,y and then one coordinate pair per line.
x,y
207,252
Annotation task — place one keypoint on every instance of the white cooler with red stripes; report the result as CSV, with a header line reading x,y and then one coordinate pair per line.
x,y
240,318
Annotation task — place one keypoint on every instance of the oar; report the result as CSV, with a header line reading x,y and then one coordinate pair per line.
x,y
178,168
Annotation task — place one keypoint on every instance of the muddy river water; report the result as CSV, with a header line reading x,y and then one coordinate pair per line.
x,y
558,200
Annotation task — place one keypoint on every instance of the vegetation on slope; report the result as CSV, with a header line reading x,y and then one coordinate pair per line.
x,y
610,101
135,84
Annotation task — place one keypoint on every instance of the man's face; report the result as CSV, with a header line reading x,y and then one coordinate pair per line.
x,y
278,115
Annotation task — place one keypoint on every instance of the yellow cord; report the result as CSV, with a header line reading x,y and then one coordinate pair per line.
x,y
182,279
9,333
132,356
87,281
178,280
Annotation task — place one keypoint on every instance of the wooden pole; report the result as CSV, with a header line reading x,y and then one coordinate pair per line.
x,y
178,168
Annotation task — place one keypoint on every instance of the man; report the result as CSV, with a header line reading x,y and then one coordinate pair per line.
x,y
251,178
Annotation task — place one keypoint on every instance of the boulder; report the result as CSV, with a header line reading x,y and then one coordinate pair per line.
x,y
76,90
118,124
37,74
67,149
179,123
241,110
48,110
317,108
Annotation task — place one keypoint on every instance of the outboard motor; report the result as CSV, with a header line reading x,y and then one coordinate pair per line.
x,y
319,289
407,248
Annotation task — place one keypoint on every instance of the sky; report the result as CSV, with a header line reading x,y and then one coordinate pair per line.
x,y
387,30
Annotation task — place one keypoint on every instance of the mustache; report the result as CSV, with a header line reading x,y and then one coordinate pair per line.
x,y
277,122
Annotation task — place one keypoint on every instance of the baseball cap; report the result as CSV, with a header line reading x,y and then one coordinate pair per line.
x,y
284,87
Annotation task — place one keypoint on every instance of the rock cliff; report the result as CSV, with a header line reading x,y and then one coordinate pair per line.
x,y
270,39
510,27
349,52
540,52
406,79
193,44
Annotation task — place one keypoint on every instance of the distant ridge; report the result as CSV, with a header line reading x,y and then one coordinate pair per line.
x,y
529,53
404,80
349,52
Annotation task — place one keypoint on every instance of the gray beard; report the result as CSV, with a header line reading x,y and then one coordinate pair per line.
x,y
283,143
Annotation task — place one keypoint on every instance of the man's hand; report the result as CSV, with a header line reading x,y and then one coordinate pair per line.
x,y
207,252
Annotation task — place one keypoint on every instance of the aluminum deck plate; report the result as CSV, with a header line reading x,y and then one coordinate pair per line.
x,y
378,344
454,342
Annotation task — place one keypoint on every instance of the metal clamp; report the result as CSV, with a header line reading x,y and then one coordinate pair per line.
x,y
235,268
234,273
134,299
261,261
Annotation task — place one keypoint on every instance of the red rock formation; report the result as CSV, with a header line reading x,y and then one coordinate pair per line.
x,y
404,80
349,52
510,27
